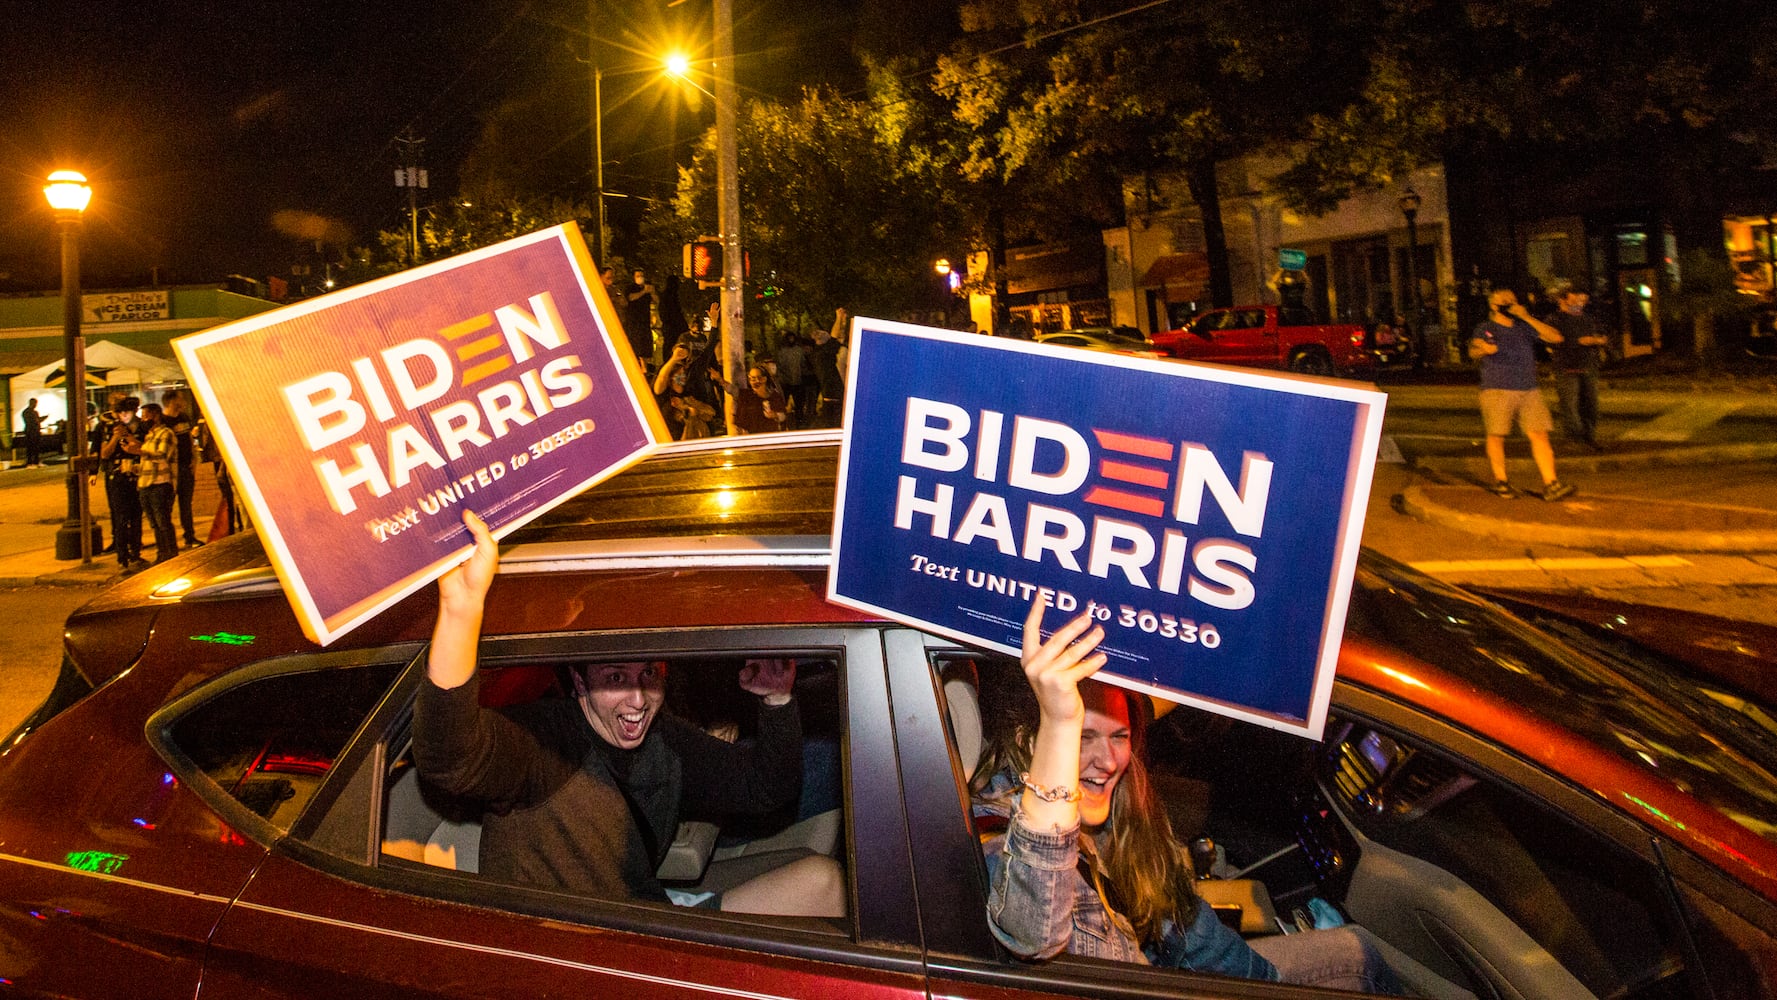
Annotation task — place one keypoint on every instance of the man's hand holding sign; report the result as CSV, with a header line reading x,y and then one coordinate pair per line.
x,y
1206,519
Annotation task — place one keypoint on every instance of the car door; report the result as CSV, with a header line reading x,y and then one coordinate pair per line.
x,y
936,728
1244,340
335,911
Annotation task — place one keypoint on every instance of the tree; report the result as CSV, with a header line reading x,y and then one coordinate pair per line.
x,y
475,218
1666,104
833,212
1069,97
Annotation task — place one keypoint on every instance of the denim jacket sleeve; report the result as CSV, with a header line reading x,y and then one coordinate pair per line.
x,y
1033,883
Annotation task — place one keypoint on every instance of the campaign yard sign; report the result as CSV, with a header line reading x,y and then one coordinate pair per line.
x,y
358,425
1208,518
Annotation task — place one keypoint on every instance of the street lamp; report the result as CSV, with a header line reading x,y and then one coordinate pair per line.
x,y
1410,208
675,65
69,195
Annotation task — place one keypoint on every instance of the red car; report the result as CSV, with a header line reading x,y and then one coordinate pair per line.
x,y
1271,337
210,806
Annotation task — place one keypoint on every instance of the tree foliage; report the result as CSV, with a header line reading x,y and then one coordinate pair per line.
x,y
477,217
1636,77
1066,98
835,208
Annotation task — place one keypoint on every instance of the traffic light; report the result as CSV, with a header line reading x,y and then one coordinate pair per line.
x,y
703,262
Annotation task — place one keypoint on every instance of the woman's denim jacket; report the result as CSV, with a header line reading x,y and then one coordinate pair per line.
x,y
1040,901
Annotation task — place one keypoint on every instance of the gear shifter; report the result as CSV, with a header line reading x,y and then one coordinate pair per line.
x,y
1203,856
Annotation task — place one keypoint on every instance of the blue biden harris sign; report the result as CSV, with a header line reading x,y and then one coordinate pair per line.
x,y
1208,518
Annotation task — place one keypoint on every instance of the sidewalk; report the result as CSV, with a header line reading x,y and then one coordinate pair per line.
x,y
1613,511
33,506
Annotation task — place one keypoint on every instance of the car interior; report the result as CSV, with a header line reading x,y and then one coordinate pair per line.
x,y
711,853
1473,887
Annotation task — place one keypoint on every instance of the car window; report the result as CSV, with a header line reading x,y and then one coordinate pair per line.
x,y
1740,955
1596,908
269,741
1439,860
709,851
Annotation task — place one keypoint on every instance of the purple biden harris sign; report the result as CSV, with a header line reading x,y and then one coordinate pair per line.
x,y
1208,518
358,425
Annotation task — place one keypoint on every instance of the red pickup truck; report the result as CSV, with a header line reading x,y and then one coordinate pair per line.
x,y
1270,337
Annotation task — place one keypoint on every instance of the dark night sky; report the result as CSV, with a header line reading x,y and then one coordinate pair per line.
x,y
222,138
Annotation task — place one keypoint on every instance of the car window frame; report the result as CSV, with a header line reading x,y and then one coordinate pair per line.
x,y
158,730
1518,775
883,933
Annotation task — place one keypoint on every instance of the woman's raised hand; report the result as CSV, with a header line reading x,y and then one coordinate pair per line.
x,y
1055,668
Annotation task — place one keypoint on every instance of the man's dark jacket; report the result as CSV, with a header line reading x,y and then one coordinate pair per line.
x,y
566,810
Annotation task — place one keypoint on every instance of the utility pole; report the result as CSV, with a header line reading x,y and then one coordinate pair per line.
x,y
412,176
728,207
598,127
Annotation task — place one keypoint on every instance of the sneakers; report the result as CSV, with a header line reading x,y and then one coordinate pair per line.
x,y
1503,489
1557,490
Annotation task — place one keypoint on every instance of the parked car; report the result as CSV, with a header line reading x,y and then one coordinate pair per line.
x,y
209,805
1119,339
1391,345
1270,337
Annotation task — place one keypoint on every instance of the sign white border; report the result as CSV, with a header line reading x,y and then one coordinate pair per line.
x,y
1367,437
296,588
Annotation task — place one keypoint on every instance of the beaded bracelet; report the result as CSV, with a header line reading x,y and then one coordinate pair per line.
x,y
1060,793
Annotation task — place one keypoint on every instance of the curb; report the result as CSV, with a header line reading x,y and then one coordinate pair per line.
x,y
1711,454
72,577
1414,502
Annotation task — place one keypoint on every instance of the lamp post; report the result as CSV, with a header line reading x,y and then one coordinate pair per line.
x,y
69,195
1410,208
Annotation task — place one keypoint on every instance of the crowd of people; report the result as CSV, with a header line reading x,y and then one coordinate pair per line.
x,y
147,455
796,385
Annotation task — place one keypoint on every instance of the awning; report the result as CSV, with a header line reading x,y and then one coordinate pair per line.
x,y
1182,275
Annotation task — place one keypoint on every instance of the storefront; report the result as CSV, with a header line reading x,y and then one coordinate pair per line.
x,y
1357,263
139,321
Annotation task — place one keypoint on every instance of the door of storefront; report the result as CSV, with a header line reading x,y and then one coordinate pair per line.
x,y
1362,281
1638,298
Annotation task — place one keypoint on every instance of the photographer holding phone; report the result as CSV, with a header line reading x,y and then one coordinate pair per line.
x,y
1506,345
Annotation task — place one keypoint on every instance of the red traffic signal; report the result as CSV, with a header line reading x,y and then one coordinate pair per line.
x,y
703,261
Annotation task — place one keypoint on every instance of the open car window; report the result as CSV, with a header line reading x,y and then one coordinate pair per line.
x,y
425,829
260,743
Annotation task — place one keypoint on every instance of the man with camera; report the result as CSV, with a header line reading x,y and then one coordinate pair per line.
x,y
115,436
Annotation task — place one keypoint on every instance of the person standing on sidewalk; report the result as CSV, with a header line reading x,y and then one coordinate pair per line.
x,y
115,443
638,317
157,469
33,425
185,484
1577,360
1506,345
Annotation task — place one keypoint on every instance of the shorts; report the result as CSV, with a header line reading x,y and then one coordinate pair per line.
x,y
1499,406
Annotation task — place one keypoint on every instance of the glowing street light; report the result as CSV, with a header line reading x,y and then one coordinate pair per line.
x,y
69,195
677,64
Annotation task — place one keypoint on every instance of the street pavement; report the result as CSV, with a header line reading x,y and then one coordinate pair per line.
x,y
33,507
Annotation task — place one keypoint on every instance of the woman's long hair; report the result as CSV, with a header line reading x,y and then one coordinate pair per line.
x,y
1148,877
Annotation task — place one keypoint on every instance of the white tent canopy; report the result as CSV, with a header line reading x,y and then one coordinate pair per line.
x,y
119,366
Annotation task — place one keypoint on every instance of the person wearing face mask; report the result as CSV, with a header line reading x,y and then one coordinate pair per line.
x,y
1506,345
585,793
1080,854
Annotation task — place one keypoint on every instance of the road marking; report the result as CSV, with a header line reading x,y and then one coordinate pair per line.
x,y
1550,565
1682,423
